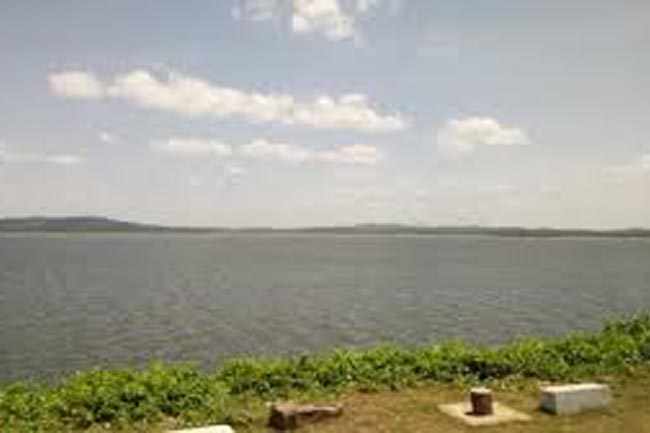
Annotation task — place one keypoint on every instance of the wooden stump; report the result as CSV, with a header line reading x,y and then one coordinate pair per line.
x,y
481,399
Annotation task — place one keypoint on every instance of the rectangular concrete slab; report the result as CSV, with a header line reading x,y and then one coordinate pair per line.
x,y
208,429
502,414
575,398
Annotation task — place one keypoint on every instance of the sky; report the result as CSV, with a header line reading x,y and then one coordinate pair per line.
x,y
294,113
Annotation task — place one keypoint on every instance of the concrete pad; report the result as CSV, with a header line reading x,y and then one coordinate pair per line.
x,y
502,414
208,429
570,399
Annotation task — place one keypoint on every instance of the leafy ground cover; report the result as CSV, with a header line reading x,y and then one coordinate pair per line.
x,y
166,395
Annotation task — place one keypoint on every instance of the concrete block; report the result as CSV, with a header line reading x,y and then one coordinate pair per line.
x,y
569,399
208,429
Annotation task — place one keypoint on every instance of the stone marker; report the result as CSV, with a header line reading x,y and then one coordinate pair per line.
x,y
569,399
208,429
289,416
481,399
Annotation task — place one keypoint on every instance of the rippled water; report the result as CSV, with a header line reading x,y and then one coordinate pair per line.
x,y
71,302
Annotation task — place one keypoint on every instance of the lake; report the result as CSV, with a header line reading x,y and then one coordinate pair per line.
x,y
76,301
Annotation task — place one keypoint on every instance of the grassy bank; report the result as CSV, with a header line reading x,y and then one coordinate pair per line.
x,y
182,395
413,410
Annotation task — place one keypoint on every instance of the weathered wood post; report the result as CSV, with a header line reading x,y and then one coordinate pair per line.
x,y
481,399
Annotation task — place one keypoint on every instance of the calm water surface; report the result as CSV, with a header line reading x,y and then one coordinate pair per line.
x,y
71,302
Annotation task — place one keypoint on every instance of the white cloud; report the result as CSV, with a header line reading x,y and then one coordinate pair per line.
x,y
7,157
462,136
351,111
359,154
262,149
59,159
336,20
76,84
235,171
354,154
193,147
645,162
363,6
322,16
193,97
107,137
256,10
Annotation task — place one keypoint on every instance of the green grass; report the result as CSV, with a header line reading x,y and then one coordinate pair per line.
x,y
183,395
414,410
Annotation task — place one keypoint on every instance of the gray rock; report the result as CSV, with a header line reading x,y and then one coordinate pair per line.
x,y
289,416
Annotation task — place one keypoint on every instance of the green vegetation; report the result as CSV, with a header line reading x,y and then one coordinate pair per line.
x,y
181,394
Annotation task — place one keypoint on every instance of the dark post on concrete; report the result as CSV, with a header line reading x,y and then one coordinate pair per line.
x,y
481,399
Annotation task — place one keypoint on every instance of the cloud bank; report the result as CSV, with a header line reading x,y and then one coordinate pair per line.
x,y
193,97
262,149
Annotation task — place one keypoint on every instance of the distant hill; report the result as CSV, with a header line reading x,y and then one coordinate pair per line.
x,y
479,231
80,224
101,224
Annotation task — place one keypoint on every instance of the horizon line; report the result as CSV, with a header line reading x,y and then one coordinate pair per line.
x,y
357,225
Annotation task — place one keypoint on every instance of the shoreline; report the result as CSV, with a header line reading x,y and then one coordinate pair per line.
x,y
188,395
323,234
94,224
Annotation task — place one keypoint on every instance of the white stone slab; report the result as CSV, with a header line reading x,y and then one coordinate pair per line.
x,y
570,399
209,429
502,414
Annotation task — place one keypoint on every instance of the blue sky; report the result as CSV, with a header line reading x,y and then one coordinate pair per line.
x,y
318,112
